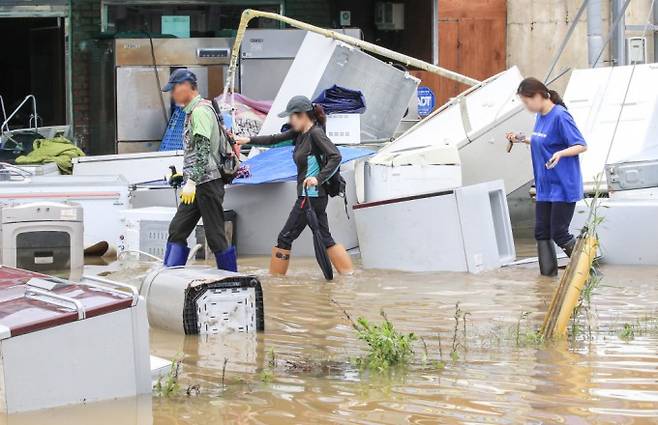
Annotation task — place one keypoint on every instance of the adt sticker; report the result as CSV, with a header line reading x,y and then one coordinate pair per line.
x,y
426,101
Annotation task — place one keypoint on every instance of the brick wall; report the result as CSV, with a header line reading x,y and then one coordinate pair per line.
x,y
85,23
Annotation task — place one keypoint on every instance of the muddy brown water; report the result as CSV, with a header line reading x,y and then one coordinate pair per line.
x,y
495,380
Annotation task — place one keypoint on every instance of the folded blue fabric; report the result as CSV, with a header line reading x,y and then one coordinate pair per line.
x,y
339,100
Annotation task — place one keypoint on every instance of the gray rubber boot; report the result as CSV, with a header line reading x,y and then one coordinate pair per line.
x,y
547,258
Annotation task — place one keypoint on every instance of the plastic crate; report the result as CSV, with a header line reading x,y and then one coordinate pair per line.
x,y
173,137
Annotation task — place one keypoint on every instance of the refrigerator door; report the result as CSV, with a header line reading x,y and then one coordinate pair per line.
x,y
139,107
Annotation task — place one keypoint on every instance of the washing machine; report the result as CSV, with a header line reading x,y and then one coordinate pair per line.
x,y
44,237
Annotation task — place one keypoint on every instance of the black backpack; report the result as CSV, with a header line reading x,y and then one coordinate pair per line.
x,y
335,185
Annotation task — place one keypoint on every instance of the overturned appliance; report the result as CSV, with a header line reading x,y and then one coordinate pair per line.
x,y
475,123
203,300
465,229
101,197
134,167
322,62
44,237
65,343
616,109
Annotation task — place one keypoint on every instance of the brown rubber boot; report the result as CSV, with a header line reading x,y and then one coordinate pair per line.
x,y
340,259
279,262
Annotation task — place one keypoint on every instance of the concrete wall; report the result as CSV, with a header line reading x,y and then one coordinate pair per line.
x,y
535,29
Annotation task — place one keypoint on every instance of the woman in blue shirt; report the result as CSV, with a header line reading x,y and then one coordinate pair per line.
x,y
555,144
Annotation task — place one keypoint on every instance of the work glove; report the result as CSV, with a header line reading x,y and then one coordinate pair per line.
x,y
174,178
188,193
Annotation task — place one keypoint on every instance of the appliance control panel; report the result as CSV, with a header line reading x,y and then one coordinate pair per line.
x,y
213,52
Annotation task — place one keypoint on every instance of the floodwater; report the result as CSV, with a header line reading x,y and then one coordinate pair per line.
x,y
299,371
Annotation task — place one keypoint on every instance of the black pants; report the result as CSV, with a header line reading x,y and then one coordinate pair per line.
x,y
296,223
207,205
552,220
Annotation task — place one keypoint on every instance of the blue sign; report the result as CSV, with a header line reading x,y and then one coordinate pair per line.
x,y
426,101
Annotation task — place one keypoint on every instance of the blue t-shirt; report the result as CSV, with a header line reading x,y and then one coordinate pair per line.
x,y
554,132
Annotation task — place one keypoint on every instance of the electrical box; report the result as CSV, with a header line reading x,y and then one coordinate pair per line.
x,y
345,18
637,50
389,16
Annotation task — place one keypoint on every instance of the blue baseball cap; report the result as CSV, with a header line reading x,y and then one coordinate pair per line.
x,y
179,76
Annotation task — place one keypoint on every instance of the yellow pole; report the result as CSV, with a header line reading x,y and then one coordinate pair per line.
x,y
567,294
249,14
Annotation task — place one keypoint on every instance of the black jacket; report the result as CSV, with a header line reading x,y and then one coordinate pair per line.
x,y
308,146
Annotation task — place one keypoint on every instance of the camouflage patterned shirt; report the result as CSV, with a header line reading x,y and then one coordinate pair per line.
x,y
200,141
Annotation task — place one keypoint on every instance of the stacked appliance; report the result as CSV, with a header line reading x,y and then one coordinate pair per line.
x,y
322,62
45,237
266,56
616,108
131,112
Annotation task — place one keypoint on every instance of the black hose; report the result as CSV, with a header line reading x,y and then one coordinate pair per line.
x,y
157,79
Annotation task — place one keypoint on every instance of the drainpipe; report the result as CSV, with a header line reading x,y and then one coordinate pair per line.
x,y
619,38
655,32
594,30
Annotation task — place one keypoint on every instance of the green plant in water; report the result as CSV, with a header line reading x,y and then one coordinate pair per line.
x,y
627,333
386,346
266,376
167,385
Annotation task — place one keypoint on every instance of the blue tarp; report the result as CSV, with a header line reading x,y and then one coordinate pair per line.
x,y
276,164
339,100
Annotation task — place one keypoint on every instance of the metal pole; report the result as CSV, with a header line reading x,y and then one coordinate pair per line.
x,y
570,31
594,30
619,35
249,14
435,32
613,28
655,32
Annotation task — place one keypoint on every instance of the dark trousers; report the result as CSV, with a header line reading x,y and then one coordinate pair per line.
x,y
207,205
296,223
552,221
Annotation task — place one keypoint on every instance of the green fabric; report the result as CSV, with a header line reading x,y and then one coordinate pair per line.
x,y
58,150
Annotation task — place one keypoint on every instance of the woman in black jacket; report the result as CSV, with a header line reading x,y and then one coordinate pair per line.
x,y
317,159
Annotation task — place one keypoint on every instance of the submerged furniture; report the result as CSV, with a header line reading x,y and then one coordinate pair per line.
x,y
475,123
465,229
65,343
322,62
203,300
45,237
101,197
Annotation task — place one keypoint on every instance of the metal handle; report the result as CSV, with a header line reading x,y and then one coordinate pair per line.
x,y
47,296
105,283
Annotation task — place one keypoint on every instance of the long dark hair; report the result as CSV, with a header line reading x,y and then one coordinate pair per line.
x,y
532,86
317,115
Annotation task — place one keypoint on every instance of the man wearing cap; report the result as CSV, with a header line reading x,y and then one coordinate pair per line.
x,y
203,192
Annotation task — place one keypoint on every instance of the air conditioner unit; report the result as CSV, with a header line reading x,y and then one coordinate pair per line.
x,y
44,237
389,16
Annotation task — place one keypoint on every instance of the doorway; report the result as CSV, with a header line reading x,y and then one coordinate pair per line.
x,y
33,63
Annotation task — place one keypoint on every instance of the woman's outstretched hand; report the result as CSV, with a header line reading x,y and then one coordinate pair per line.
x,y
242,140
